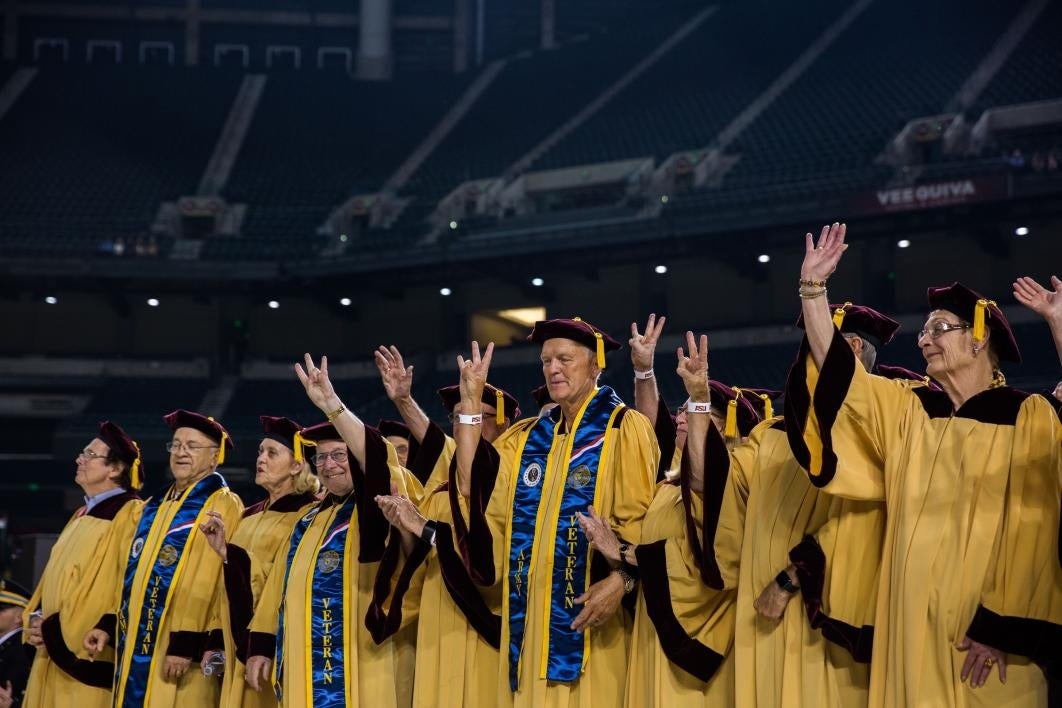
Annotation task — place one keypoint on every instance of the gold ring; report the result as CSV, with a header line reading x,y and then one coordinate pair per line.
x,y
989,662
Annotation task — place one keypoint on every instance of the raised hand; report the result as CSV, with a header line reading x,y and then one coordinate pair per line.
x,y
643,346
474,373
1044,302
397,378
317,384
214,531
693,369
820,261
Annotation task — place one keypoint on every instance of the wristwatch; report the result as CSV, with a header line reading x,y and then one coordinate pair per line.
x,y
786,583
628,581
624,547
427,534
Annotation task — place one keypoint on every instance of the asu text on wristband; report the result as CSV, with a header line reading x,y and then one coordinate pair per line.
x,y
470,419
698,407
643,375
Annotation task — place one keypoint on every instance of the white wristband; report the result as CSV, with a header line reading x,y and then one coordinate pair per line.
x,y
643,375
698,407
470,419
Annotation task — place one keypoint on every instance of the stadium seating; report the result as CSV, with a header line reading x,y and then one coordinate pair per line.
x,y
78,170
1034,71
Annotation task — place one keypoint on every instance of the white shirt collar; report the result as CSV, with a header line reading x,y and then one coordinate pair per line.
x,y
102,496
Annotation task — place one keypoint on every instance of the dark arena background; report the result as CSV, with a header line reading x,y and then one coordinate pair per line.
x,y
195,192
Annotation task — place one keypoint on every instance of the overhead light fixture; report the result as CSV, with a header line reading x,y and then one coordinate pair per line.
x,y
764,258
538,282
445,292
453,225
660,269
51,300
1021,231
273,304
345,301
903,243
153,302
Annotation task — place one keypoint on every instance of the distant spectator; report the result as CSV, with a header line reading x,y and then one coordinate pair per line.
x,y
139,247
119,247
106,246
1017,159
152,246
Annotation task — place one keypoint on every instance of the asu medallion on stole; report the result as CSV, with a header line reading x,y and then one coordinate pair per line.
x,y
167,555
328,561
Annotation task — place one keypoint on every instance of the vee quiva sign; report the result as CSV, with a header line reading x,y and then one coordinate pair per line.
x,y
931,195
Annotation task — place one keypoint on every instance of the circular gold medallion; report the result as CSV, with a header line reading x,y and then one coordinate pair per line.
x,y
327,561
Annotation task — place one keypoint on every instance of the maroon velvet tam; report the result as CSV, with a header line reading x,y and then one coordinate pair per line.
x,y
722,395
120,443
575,329
321,432
962,301
868,323
451,396
393,428
280,429
214,430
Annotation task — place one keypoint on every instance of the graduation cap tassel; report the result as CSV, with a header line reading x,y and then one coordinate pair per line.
x,y
600,350
981,313
768,407
499,405
730,429
838,315
134,472
221,449
298,442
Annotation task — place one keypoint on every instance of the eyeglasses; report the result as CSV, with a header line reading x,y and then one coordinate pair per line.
x,y
177,446
337,456
91,455
939,329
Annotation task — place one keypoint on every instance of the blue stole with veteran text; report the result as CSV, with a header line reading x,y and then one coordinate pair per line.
x,y
324,608
147,606
564,650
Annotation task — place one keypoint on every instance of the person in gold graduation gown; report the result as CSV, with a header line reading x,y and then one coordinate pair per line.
x,y
282,470
971,590
82,576
683,629
670,427
308,639
776,536
171,577
457,627
564,642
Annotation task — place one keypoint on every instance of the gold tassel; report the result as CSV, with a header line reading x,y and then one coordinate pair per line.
x,y
298,442
499,404
221,446
838,315
981,312
768,407
600,350
134,471
730,429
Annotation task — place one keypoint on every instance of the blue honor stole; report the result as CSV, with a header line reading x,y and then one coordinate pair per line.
x,y
564,650
324,611
142,613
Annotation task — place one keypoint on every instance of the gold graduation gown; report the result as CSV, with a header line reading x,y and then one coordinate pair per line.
x,y
182,631
683,630
626,486
769,516
78,586
251,551
456,657
370,679
971,540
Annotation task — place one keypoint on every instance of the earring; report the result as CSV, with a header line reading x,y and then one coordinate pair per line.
x,y
976,349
